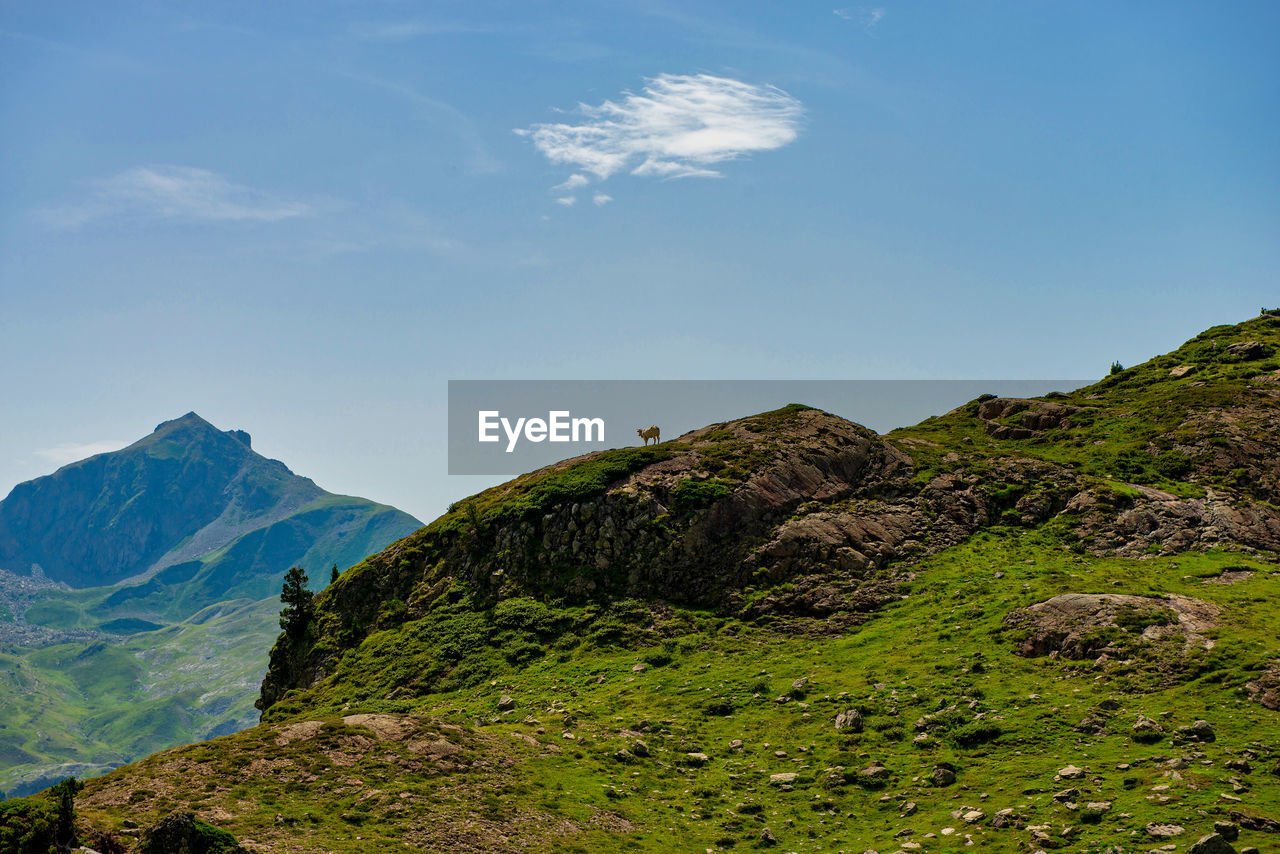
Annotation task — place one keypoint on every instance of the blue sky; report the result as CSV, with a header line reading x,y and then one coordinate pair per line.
x,y
302,219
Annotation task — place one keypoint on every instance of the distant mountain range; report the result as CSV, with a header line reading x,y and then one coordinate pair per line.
x,y
123,576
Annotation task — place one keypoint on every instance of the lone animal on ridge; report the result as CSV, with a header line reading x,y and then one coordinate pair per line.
x,y
648,433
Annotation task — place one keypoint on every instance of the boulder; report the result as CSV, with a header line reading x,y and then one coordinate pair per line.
x,y
1146,729
1227,830
849,719
873,776
1070,623
1211,843
1198,731
1159,830
1249,350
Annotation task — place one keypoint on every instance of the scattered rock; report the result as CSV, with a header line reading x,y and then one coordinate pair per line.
x,y
785,778
1157,830
1182,371
973,816
506,703
1211,843
1255,822
1198,731
1227,830
849,719
767,838
1071,772
1147,730
942,775
873,776
697,760
1249,350
1266,688
1093,724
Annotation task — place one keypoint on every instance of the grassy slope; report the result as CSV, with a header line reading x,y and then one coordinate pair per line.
x,y
1134,425
104,704
709,680
913,658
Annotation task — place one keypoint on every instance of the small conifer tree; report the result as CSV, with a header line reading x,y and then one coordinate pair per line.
x,y
297,600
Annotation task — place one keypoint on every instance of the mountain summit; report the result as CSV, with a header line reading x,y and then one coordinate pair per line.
x,y
119,575
189,507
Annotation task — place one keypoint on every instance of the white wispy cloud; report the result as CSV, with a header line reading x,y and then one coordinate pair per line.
x,y
868,16
182,193
678,126
601,199
573,182
567,201
60,455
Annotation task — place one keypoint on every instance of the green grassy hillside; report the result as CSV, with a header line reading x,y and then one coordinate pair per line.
x,y
84,708
1023,625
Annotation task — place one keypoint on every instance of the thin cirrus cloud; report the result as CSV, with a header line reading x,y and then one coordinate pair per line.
x,y
178,193
60,455
868,16
678,126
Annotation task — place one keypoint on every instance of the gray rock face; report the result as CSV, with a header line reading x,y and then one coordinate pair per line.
x,y
849,720
1211,843
1249,350
1227,830
1158,830
1198,731
874,775
1068,624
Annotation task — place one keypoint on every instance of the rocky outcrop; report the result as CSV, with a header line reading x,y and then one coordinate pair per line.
x,y
1073,624
1158,522
1033,416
